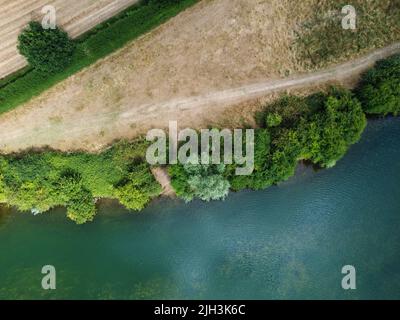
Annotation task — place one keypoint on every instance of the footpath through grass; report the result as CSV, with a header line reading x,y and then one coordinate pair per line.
x,y
92,46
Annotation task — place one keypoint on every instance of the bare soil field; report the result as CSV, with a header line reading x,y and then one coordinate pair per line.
x,y
199,68
75,16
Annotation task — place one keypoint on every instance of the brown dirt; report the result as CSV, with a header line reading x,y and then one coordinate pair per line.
x,y
75,16
192,69
162,177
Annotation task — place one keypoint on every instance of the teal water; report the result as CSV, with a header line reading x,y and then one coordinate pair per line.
x,y
289,241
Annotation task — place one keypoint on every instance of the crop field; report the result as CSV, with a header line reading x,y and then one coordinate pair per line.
x,y
75,16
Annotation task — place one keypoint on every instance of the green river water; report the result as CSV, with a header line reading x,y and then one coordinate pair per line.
x,y
290,241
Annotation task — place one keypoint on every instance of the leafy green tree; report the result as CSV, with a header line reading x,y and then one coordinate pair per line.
x,y
206,182
47,50
321,131
82,208
39,181
257,180
78,200
379,91
138,188
327,134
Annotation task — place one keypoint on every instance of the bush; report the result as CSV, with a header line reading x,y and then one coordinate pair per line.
x,y
257,180
43,180
47,50
138,188
327,135
206,182
321,131
273,120
379,90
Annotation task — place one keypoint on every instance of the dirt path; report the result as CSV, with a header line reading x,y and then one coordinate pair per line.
x,y
75,16
161,175
94,131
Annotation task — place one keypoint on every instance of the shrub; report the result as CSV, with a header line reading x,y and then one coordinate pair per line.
x,y
40,181
321,130
379,90
326,135
206,182
257,180
138,188
273,120
47,50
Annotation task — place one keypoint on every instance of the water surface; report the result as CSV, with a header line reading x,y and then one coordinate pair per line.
x,y
289,241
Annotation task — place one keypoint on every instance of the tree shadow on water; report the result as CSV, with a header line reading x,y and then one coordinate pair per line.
x,y
5,212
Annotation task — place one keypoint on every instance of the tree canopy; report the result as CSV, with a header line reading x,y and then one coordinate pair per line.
x,y
47,50
379,90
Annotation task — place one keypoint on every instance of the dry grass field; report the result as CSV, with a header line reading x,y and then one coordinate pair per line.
x,y
75,16
214,46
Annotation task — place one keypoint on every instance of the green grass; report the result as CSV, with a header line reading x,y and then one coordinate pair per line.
x,y
14,76
92,46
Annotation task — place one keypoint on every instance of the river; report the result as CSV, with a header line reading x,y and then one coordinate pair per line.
x,y
288,242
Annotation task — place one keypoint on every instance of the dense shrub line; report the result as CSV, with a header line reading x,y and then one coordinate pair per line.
x,y
40,181
325,126
96,44
319,129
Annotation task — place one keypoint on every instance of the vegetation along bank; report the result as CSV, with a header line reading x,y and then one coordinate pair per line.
x,y
318,128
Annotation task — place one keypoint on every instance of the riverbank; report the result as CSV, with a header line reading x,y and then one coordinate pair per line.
x,y
287,242
319,128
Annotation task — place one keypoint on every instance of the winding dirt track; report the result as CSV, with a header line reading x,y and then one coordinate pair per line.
x,y
75,16
83,133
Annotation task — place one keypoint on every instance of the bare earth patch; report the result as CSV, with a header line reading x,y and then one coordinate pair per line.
x,y
192,69
162,177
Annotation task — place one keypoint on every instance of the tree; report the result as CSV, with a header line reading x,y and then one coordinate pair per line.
x,y
326,135
379,91
206,182
81,209
47,50
138,188
78,199
257,180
